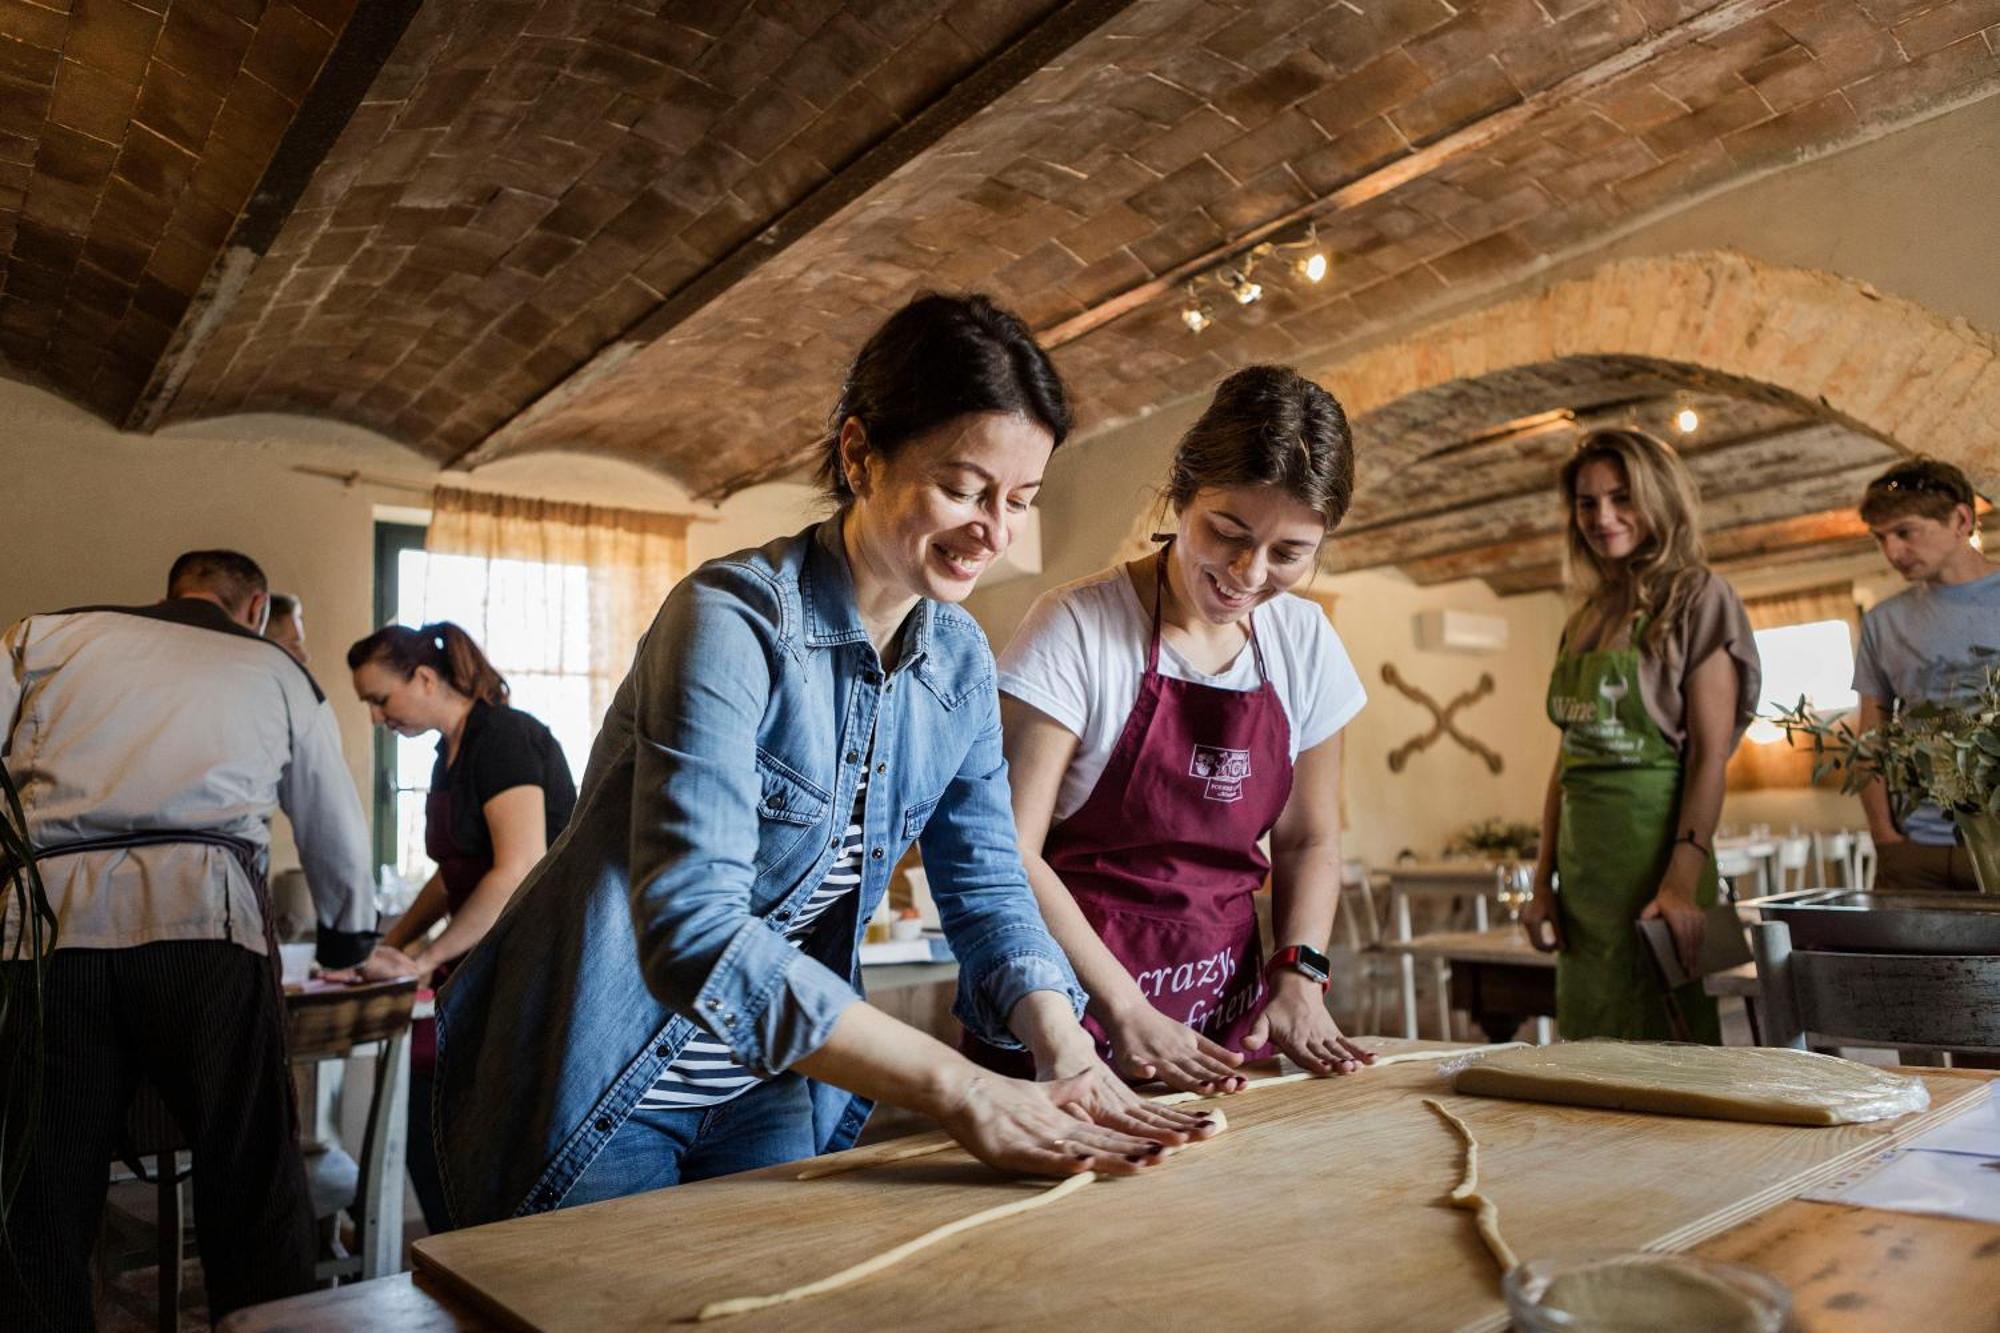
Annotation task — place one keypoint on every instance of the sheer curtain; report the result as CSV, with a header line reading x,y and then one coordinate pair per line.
x,y
557,594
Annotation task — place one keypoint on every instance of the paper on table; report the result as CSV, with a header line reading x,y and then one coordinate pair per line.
x,y
1976,1132
1946,1184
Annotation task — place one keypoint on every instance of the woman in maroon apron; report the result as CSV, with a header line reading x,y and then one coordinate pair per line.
x,y
1163,719
500,793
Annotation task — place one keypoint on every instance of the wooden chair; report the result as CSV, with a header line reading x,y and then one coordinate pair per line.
x,y
1360,921
152,1151
335,1024
1831,849
1732,864
1861,862
1934,1001
1794,864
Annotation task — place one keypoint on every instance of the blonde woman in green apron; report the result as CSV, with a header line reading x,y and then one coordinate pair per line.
x,y
1654,682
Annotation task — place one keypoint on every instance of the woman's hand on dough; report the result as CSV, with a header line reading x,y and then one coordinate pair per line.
x,y
1038,1128
384,963
1109,1100
1686,922
1149,1045
1295,1020
1543,922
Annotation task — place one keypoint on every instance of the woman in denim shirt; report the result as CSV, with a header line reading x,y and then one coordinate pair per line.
x,y
673,993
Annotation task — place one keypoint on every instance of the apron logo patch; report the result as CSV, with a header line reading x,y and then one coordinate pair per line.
x,y
1224,771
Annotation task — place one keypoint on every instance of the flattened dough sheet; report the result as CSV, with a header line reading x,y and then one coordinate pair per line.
x,y
1770,1085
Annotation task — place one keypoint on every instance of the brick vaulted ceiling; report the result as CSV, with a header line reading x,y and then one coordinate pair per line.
x,y
656,230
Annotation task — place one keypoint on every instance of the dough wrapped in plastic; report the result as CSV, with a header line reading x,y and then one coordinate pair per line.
x,y
1771,1085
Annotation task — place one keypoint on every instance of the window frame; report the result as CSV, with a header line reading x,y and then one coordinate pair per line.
x,y
392,538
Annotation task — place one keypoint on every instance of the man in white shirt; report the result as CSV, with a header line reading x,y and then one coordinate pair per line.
x,y
150,745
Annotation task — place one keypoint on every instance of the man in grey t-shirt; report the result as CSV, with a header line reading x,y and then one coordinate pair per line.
x,y
1932,642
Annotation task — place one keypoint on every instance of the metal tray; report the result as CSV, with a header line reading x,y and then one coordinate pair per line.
x,y
1939,923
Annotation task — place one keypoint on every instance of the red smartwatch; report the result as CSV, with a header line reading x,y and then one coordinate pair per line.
x,y
1303,958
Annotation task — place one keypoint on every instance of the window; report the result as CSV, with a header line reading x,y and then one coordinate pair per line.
x,y
1815,660
533,622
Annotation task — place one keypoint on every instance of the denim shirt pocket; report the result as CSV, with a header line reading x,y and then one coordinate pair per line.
x,y
917,816
789,807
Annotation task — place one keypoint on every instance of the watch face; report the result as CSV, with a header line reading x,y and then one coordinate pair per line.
x,y
1303,958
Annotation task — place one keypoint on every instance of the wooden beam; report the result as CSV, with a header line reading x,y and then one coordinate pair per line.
x,y
1066,25
1705,26
363,47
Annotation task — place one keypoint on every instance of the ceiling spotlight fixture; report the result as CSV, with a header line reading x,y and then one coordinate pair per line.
x,y
1299,260
1687,420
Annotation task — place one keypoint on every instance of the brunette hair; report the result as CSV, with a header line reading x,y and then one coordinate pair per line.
x,y
230,575
1927,487
937,358
443,647
1664,571
1269,426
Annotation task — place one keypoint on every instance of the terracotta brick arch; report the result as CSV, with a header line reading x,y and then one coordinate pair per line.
x,y
1835,347
1883,365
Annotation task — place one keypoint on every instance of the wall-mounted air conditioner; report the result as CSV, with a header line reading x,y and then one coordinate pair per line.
x,y
1448,631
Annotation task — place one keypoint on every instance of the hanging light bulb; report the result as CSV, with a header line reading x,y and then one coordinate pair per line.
x,y
1687,420
1244,290
1196,318
1313,267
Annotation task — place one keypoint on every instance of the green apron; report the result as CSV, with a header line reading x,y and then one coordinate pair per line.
x,y
1621,789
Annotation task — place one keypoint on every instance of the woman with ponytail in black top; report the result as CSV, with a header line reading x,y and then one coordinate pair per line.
x,y
500,794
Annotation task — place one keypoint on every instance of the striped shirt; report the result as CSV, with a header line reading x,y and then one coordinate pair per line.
x,y
705,1073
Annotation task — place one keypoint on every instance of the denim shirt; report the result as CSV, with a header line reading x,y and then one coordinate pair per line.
x,y
712,806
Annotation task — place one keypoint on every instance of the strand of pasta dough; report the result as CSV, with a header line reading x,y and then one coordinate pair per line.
x,y
869,1267
1381,1062
1486,1213
850,1162
888,1258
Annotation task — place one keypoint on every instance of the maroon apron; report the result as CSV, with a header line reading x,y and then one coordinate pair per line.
x,y
461,870
1162,857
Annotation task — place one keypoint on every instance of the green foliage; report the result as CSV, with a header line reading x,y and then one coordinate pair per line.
x,y
21,989
1944,754
1495,839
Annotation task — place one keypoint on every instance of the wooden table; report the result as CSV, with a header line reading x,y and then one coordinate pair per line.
x,y
1446,879
1496,976
1311,1179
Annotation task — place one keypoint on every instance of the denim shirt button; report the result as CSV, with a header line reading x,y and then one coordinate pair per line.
x,y
782,914
880,769
663,1051
853,758
729,1020
603,1124
714,1003
875,855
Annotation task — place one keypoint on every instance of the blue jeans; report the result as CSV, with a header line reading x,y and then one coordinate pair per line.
x,y
769,1124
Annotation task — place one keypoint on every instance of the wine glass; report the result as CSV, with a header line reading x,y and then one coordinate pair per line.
x,y
1514,886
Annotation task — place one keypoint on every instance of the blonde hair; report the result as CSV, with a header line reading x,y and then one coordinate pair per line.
x,y
1661,575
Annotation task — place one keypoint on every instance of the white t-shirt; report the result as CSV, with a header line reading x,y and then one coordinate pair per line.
x,y
1080,656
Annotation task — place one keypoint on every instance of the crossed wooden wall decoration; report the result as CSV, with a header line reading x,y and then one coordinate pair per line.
x,y
1442,723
